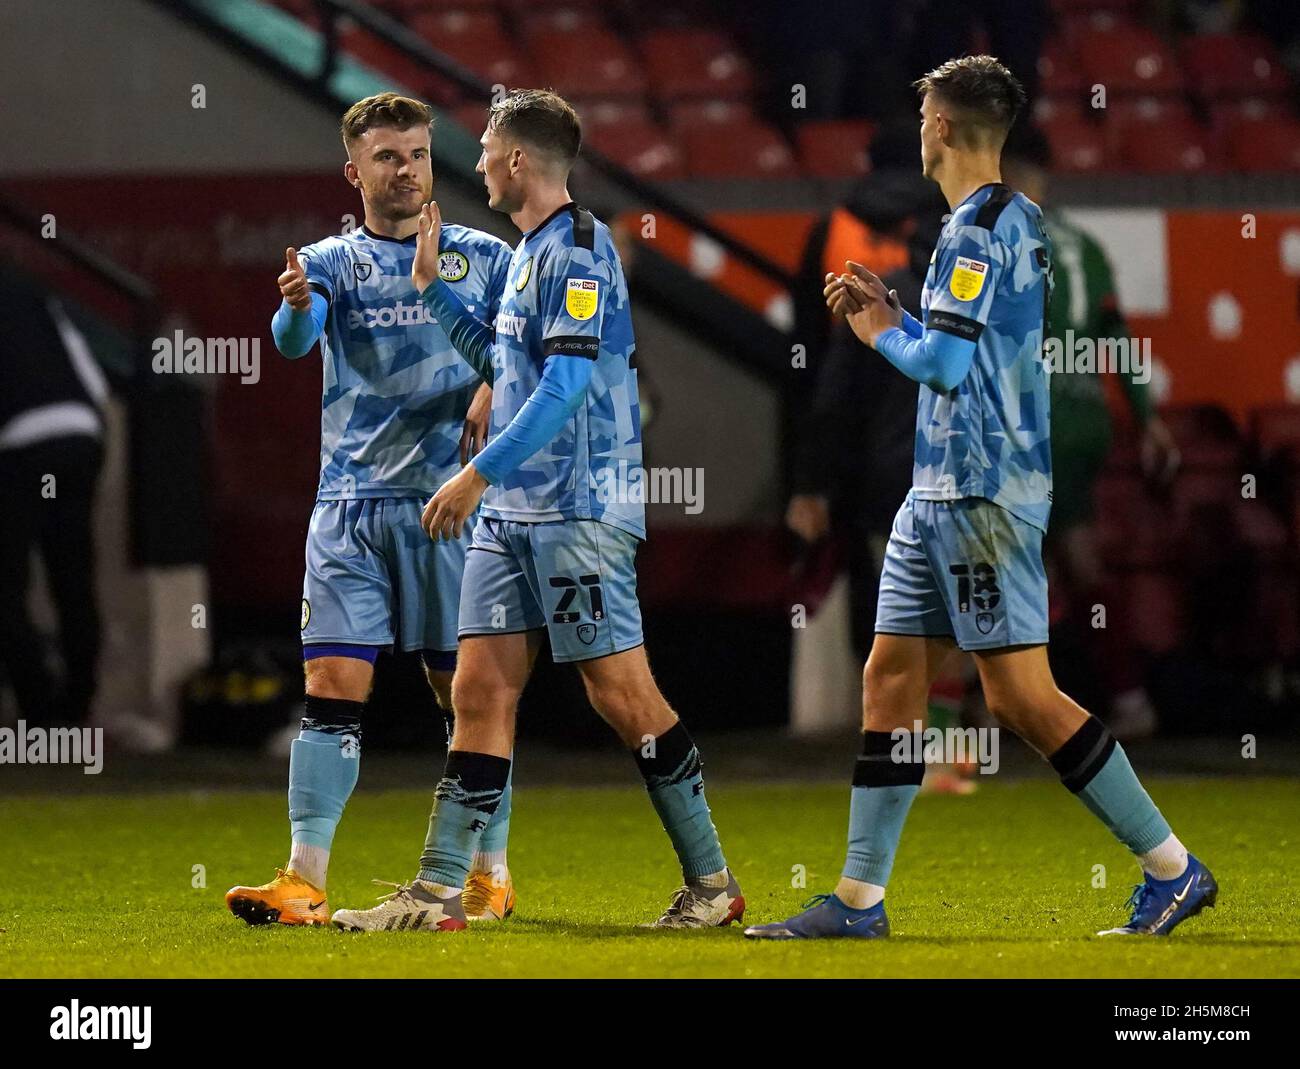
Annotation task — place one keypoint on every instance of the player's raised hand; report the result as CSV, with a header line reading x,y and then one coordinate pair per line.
x,y
428,233
293,282
877,308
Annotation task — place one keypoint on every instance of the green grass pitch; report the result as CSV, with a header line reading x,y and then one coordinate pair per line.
x,y
1000,884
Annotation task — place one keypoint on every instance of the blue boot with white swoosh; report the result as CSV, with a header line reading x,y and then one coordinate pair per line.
x,y
826,917
1159,906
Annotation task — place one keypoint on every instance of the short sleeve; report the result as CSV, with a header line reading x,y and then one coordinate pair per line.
x,y
967,270
573,292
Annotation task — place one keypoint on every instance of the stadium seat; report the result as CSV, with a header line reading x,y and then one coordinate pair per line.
x,y
472,116
477,41
1155,610
397,66
1226,115
1276,427
458,28
834,148
593,65
1059,71
1265,145
1233,65
572,19
690,63
690,114
641,147
601,113
1129,59
1167,148
1078,146
750,149
1058,107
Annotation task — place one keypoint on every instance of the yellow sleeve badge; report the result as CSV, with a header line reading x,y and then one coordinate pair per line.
x,y
968,277
581,297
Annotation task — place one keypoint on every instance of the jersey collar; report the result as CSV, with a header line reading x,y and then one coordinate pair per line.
x,y
562,208
384,237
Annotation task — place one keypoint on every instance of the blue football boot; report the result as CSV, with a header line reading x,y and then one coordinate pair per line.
x,y
826,917
1159,906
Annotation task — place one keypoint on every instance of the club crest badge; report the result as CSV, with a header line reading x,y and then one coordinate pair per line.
x,y
452,266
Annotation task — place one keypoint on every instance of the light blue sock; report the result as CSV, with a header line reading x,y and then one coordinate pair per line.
x,y
497,833
674,779
466,798
1117,798
876,816
323,770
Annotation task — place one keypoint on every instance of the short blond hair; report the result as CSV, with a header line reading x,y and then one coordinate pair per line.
x,y
384,109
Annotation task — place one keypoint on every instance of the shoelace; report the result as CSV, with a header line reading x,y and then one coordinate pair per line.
x,y
398,888
816,900
676,905
1137,900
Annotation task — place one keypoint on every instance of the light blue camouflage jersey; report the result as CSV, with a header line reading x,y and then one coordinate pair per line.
x,y
394,399
989,282
565,293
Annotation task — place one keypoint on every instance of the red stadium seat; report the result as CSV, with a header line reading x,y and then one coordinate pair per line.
x,y
834,148
1078,146
1176,147
1059,71
447,30
641,147
1276,427
473,117
1266,145
1233,64
1227,115
690,114
595,114
1129,59
397,66
564,18
595,64
1058,108
692,63
1155,610
477,40
742,150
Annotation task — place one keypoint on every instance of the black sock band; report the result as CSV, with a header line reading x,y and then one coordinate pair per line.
x,y
476,780
877,767
333,716
673,757
1083,754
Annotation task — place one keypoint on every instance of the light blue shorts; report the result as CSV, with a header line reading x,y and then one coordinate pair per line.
x,y
967,569
374,578
576,578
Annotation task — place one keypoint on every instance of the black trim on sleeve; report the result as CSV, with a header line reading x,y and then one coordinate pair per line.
x,y
584,228
960,326
988,213
316,287
572,345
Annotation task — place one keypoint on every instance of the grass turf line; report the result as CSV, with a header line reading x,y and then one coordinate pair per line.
x,y
1000,884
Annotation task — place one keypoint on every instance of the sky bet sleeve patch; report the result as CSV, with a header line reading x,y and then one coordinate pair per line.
x,y
581,297
968,277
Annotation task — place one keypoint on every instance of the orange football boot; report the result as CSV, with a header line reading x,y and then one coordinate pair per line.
x,y
486,898
288,899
